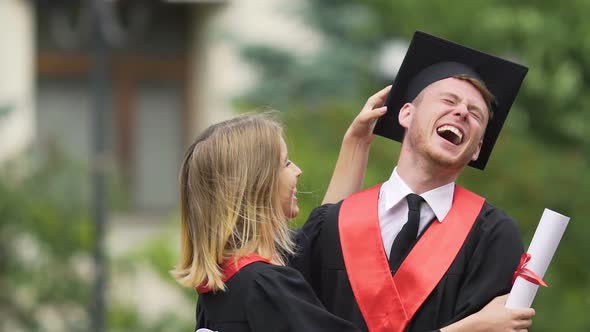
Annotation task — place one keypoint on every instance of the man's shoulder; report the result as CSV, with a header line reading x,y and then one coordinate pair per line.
x,y
495,232
493,219
492,212
489,211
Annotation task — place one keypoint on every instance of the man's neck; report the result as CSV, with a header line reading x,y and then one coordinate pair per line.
x,y
422,176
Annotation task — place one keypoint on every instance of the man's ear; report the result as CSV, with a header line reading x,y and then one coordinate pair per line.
x,y
405,115
476,153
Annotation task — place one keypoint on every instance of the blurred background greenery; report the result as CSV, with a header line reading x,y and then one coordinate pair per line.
x,y
541,159
46,242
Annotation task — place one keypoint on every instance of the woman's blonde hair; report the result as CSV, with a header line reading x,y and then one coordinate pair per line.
x,y
229,202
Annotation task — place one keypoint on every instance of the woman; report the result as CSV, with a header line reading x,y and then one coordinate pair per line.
x,y
238,191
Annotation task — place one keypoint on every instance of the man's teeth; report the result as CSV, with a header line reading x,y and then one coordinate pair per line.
x,y
457,136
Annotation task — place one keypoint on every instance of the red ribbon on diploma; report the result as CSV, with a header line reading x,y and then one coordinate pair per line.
x,y
527,274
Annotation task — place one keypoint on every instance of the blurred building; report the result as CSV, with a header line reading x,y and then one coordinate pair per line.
x,y
155,94
17,77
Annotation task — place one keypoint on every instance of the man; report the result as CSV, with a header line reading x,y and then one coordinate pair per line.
x,y
419,252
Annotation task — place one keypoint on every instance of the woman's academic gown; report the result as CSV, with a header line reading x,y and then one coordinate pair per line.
x,y
265,297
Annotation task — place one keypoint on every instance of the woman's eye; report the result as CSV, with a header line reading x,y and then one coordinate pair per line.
x,y
288,163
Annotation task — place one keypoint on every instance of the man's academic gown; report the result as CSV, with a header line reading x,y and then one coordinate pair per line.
x,y
265,297
482,270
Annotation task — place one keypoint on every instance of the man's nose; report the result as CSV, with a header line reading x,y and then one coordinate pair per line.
x,y
461,111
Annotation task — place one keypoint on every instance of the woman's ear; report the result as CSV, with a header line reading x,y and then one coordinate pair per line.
x,y
405,115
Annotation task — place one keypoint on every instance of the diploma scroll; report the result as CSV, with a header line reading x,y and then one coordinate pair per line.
x,y
542,248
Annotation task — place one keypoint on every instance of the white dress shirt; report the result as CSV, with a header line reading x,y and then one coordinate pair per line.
x,y
393,207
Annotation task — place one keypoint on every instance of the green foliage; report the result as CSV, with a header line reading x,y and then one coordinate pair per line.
x,y
161,254
288,78
123,318
169,322
541,159
46,243
45,236
126,318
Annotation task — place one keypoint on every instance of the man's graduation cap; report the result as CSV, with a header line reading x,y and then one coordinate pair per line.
x,y
430,59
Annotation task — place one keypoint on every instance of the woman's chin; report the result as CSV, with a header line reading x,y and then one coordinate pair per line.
x,y
292,213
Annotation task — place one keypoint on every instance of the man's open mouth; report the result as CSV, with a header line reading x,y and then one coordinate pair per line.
x,y
450,133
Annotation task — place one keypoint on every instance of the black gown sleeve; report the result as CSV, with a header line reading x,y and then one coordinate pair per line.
x,y
281,300
305,240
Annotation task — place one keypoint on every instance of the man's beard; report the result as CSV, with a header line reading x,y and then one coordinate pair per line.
x,y
439,158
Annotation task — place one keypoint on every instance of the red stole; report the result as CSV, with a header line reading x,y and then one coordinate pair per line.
x,y
231,267
389,302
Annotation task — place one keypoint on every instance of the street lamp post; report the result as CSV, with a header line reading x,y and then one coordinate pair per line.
x,y
99,70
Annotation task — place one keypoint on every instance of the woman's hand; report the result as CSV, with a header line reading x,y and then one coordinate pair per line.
x,y
361,128
495,317
351,165
499,318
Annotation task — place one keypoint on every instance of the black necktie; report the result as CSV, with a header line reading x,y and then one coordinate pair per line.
x,y
406,238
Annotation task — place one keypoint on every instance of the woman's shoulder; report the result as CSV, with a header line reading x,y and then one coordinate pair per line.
x,y
268,278
262,270
242,282
253,273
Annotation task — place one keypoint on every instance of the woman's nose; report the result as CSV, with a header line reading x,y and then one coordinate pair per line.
x,y
298,170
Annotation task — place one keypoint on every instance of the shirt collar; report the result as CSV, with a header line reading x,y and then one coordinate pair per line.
x,y
439,199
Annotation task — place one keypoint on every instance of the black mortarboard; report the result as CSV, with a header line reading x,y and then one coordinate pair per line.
x,y
430,59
